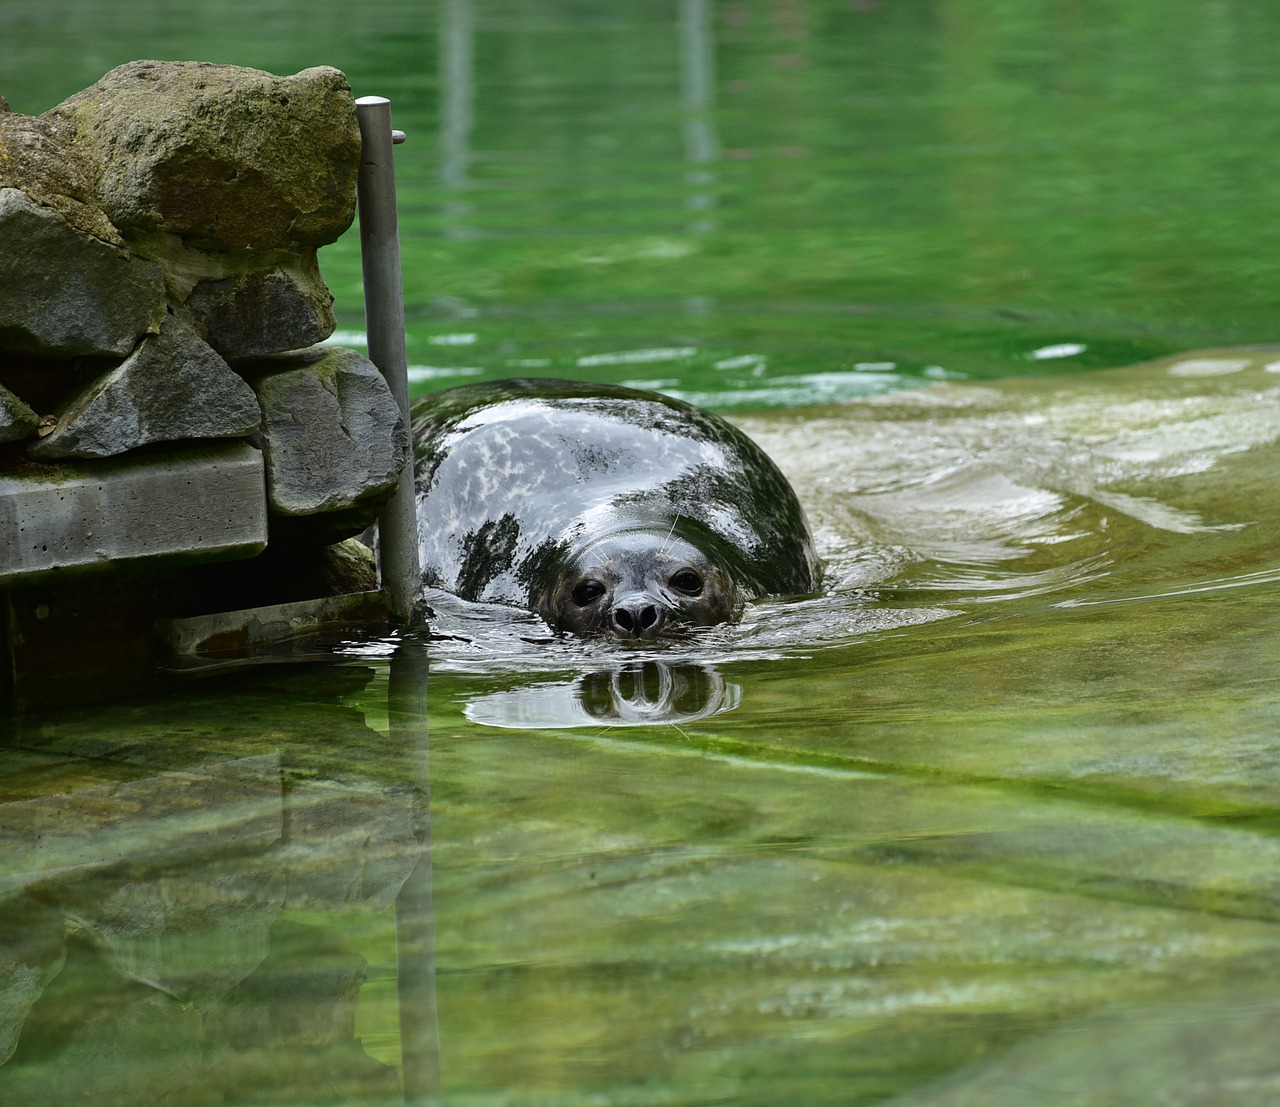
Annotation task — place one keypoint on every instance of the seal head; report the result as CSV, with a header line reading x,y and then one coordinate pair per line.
x,y
639,585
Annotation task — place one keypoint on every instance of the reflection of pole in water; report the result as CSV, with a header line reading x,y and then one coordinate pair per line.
x,y
415,923
697,95
457,95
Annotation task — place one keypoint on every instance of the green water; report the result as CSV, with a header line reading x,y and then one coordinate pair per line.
x,y
992,821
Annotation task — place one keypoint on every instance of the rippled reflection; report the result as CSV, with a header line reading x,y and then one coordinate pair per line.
x,y
199,925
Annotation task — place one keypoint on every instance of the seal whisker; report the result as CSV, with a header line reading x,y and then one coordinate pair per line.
x,y
670,534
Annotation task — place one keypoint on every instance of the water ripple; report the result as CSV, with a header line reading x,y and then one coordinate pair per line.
x,y
932,502
1216,584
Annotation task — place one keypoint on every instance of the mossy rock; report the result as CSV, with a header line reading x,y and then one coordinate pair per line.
x,y
223,157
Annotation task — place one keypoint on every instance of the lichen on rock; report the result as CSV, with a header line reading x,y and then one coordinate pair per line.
x,y
224,157
39,158
17,420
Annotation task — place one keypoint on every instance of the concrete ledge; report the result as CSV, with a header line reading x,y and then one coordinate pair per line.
x,y
232,637
188,505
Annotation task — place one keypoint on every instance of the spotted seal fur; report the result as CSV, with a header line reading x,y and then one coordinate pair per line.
x,y
605,510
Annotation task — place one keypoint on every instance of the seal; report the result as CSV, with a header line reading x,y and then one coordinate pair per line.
x,y
605,510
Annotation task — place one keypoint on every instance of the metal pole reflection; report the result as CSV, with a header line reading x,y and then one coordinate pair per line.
x,y
457,93
697,95
415,922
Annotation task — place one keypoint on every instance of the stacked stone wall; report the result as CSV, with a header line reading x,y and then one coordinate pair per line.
x,y
159,286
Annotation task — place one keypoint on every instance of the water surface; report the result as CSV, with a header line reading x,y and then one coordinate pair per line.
x,y
991,820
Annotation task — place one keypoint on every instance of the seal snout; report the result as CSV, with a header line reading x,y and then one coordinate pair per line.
x,y
637,617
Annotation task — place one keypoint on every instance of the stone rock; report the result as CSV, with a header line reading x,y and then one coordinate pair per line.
x,y
133,1036
266,312
297,1015
66,292
17,420
223,157
38,158
226,910
348,566
332,435
173,386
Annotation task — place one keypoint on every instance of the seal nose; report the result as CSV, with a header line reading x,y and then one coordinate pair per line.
x,y
637,617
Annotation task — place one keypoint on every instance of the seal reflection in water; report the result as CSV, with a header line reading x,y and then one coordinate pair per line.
x,y
640,693
605,510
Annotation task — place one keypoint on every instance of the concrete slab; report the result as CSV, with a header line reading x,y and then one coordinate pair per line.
x,y
229,637
190,504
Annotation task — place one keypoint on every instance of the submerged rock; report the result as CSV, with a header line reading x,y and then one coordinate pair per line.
x,y
173,386
32,938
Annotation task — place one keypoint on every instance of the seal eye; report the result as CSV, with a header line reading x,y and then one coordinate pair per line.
x,y
587,592
688,582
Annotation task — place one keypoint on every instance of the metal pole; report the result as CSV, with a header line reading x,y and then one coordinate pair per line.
x,y
384,326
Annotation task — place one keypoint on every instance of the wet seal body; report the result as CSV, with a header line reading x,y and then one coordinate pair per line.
x,y
603,509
